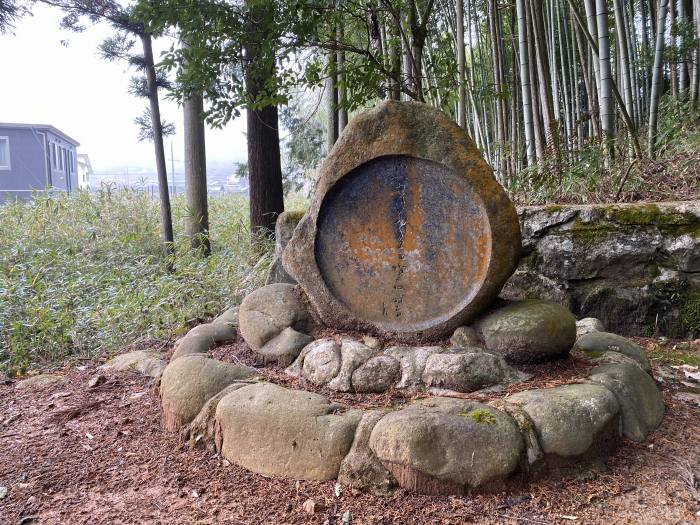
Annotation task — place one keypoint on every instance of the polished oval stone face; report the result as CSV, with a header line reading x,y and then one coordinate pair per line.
x,y
403,242
408,234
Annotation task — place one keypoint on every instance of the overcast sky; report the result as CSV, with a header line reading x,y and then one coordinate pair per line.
x,y
72,88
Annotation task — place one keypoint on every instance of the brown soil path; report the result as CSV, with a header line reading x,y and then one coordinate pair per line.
x,y
71,454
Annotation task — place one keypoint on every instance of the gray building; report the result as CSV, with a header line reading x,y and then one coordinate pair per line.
x,y
36,157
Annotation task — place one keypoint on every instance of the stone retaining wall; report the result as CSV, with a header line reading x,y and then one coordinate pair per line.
x,y
635,266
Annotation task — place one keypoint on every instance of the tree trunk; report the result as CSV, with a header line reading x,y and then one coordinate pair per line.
x,y
605,97
264,168
624,65
462,94
673,67
342,90
683,66
196,175
332,102
657,81
165,213
525,82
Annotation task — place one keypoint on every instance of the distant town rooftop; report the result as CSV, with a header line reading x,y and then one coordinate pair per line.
x,y
48,127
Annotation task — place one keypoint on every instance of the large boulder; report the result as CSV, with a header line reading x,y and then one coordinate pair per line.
x,y
446,445
285,347
265,313
379,246
632,265
467,371
587,325
280,432
190,381
595,344
528,331
203,337
640,401
572,420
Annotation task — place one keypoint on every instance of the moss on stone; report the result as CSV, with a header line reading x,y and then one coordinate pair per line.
x,y
481,416
650,215
654,270
690,311
589,233
675,357
553,208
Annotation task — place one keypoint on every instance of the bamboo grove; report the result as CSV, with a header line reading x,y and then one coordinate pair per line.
x,y
531,81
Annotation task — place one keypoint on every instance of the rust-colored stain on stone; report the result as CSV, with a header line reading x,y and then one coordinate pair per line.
x,y
408,232
402,241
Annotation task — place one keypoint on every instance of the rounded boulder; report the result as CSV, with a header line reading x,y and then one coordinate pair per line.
x,y
446,445
529,331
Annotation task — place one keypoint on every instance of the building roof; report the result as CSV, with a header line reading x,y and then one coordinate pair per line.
x,y
47,127
84,159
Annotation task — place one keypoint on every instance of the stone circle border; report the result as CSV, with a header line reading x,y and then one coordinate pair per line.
x,y
615,382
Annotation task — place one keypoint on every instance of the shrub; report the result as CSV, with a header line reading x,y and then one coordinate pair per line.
x,y
83,275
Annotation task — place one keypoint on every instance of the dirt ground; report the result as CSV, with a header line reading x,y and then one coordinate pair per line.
x,y
75,454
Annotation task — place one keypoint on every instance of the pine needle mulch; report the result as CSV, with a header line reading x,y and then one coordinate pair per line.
x,y
111,463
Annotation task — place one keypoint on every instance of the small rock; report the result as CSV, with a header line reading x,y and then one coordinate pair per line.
x,y
310,506
146,362
378,374
373,342
322,362
467,372
412,360
39,381
285,347
3,493
587,325
466,337
352,355
97,380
